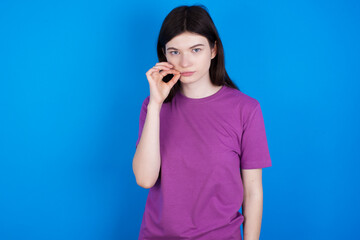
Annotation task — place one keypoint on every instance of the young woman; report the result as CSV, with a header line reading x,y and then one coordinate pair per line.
x,y
201,145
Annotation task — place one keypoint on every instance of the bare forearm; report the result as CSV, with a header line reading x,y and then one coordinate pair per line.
x,y
146,161
252,211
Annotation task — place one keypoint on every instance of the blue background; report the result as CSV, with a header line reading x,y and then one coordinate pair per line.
x,y
72,81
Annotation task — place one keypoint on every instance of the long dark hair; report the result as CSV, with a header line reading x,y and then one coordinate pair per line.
x,y
194,19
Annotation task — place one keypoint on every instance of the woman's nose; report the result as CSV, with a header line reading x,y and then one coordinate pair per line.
x,y
185,61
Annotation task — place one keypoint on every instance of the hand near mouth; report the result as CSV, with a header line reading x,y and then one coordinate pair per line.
x,y
159,89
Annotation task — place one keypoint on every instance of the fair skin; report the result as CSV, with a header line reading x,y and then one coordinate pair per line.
x,y
189,52
253,203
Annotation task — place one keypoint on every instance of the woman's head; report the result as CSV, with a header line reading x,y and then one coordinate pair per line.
x,y
182,28
190,52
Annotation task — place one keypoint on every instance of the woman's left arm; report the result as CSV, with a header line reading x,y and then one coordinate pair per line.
x,y
253,203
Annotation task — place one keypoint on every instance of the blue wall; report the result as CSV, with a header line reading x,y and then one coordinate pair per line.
x,y
72,80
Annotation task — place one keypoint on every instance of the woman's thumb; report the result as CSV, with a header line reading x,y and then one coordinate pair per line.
x,y
174,80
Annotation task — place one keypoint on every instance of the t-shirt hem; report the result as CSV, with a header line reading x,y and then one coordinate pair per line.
x,y
256,165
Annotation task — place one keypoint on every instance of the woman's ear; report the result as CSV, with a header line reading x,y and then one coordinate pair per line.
x,y
214,50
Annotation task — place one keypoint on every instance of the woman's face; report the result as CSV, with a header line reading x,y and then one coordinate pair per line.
x,y
190,52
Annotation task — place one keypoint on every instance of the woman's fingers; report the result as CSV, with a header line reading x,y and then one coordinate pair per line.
x,y
173,80
164,71
160,89
161,67
166,64
171,71
156,69
153,71
160,70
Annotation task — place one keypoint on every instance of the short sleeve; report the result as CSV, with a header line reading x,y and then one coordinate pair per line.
x,y
142,117
254,146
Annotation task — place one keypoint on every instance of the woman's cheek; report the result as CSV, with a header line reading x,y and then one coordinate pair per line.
x,y
172,63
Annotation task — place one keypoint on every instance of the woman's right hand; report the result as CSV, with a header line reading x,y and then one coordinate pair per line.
x,y
159,89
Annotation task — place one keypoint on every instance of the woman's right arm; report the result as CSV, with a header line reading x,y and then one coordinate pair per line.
x,y
147,161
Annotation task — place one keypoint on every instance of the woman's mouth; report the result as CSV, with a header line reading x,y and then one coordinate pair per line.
x,y
187,74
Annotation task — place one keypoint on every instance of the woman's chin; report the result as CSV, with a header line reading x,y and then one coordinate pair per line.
x,y
186,79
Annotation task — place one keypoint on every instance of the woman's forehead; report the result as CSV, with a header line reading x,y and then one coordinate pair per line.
x,y
186,40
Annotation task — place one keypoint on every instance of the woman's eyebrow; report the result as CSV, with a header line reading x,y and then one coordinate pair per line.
x,y
189,47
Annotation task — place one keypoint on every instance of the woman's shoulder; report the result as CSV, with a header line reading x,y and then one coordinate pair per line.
x,y
241,98
244,105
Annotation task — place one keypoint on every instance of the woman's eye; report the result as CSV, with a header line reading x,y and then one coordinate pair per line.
x,y
175,52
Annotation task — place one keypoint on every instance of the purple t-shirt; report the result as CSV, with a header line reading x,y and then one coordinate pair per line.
x,y
203,145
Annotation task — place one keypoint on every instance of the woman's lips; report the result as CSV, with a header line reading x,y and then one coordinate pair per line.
x,y
187,74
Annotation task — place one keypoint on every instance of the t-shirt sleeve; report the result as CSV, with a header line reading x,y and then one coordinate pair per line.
x,y
142,117
254,146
